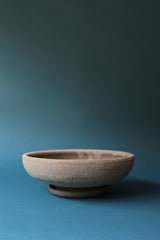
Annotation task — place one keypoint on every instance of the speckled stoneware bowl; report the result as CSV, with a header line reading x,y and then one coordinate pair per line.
x,y
78,172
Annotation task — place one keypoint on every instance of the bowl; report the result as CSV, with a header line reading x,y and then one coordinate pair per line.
x,y
78,173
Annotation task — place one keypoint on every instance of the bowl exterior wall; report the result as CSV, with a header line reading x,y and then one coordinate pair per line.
x,y
78,173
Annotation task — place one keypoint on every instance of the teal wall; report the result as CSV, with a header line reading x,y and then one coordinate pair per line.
x,y
80,74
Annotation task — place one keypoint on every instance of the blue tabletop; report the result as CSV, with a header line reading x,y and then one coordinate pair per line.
x,y
129,210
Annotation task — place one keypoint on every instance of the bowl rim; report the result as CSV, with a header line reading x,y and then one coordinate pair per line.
x,y
123,155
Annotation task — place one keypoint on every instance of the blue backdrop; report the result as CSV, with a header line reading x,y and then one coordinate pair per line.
x,y
79,74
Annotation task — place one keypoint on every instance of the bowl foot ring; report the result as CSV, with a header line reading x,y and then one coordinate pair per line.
x,y
77,192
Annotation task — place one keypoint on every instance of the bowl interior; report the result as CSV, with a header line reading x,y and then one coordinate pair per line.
x,y
79,154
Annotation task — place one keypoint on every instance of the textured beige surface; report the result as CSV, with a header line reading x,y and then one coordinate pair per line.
x,y
78,168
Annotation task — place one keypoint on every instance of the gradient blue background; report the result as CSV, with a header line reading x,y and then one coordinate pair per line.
x,y
80,74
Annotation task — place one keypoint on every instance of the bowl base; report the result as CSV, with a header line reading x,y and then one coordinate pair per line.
x,y
77,192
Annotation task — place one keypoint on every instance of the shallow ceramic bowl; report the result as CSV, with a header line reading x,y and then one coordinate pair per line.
x,y
78,173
